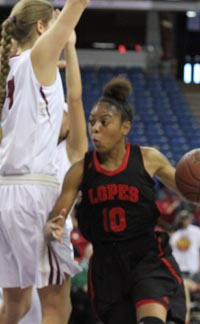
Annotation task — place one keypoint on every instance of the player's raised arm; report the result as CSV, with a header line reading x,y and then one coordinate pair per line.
x,y
77,143
48,47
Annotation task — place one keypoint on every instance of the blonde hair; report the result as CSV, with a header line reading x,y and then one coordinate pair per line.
x,y
19,26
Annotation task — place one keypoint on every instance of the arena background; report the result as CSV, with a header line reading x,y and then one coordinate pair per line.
x,y
156,44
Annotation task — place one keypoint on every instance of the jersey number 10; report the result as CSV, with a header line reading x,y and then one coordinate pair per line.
x,y
114,219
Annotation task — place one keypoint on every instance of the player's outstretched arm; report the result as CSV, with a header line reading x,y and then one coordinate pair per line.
x,y
165,171
46,51
77,143
158,165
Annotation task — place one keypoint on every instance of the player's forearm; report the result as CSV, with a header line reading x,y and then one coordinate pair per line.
x,y
46,51
73,77
70,188
60,203
68,18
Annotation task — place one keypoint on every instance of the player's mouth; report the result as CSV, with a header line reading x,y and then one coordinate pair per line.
x,y
96,142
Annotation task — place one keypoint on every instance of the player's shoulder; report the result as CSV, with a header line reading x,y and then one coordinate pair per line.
x,y
150,152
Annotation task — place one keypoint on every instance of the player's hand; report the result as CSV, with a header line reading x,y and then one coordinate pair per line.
x,y
68,46
56,13
54,228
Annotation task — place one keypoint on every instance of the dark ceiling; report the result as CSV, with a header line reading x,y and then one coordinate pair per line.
x,y
173,5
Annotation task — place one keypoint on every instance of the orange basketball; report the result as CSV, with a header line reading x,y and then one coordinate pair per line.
x,y
187,175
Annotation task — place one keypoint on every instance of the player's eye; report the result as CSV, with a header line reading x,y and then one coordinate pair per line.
x,y
92,122
104,122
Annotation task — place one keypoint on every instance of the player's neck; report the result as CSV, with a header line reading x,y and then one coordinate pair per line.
x,y
113,159
23,47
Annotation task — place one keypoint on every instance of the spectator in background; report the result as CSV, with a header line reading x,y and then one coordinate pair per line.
x,y
168,202
196,218
185,243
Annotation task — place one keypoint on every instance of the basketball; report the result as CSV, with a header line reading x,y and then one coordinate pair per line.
x,y
187,175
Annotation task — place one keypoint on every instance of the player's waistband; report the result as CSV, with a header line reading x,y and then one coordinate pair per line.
x,y
29,179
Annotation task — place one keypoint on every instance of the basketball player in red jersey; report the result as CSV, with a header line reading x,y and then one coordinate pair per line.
x,y
133,276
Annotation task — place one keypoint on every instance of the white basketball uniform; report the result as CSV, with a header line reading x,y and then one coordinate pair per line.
x,y
63,252
29,187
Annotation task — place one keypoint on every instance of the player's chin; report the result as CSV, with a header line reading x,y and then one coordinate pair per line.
x,y
100,149
97,145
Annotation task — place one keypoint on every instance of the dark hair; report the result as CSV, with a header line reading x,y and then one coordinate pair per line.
x,y
116,93
184,214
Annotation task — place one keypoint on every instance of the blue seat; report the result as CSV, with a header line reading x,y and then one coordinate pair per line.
x,y
162,115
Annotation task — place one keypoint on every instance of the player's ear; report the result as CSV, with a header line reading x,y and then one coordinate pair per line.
x,y
126,127
40,27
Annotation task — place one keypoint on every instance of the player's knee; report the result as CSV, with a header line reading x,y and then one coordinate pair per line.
x,y
14,314
151,320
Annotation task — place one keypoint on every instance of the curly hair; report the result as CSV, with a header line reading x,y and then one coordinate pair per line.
x,y
116,93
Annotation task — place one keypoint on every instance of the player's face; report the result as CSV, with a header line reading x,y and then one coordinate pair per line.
x,y
106,128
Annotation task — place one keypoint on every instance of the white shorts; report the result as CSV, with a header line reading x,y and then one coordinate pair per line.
x,y
25,257
65,254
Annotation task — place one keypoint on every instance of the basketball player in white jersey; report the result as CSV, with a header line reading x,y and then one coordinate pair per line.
x,y
71,147
31,107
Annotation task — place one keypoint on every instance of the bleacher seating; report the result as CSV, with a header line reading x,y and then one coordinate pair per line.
x,y
162,116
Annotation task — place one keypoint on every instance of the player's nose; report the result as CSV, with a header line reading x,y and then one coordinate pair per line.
x,y
96,127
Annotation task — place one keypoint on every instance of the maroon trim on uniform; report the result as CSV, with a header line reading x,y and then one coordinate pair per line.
x,y
11,89
149,301
118,170
45,100
14,55
58,268
51,267
172,270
